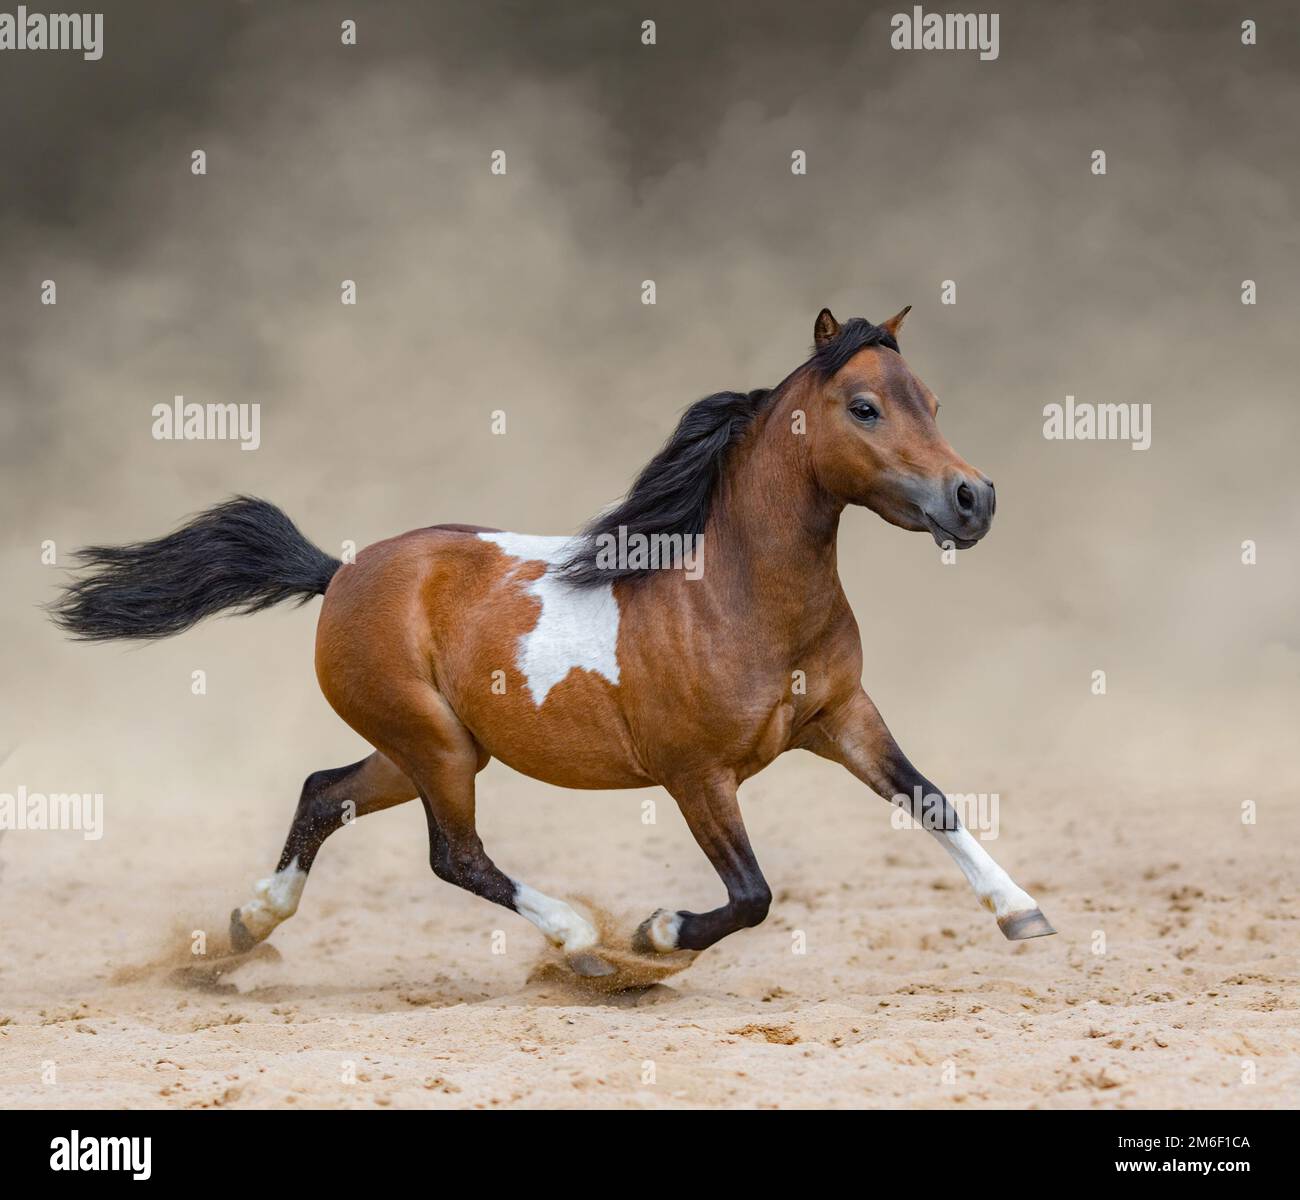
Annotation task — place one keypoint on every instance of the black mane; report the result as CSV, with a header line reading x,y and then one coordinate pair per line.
x,y
675,490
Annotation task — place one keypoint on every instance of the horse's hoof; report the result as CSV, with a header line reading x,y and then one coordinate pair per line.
x,y
641,942
590,966
241,941
1019,926
657,934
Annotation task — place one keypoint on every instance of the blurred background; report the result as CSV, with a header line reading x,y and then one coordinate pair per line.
x,y
522,292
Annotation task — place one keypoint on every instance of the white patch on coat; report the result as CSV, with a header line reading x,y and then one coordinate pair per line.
x,y
996,890
578,627
275,900
554,918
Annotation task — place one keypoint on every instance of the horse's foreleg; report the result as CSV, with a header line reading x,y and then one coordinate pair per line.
x,y
713,815
856,737
329,800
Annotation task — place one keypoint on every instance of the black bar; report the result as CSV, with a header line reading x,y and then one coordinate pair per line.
x,y
362,1148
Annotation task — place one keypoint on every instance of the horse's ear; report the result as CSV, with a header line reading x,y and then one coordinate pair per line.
x,y
826,328
895,323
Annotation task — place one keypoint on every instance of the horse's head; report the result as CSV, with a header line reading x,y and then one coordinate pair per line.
x,y
875,441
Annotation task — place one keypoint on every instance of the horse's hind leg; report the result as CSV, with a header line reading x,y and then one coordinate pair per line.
x,y
329,800
713,814
442,758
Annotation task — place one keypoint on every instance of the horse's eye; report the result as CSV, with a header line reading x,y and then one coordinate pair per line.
x,y
864,411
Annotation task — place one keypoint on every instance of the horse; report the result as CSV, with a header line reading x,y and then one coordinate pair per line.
x,y
448,646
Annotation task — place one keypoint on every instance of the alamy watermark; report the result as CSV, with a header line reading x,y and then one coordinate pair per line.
x,y
193,422
946,812
624,551
1086,422
85,1152
25,30
920,30
24,810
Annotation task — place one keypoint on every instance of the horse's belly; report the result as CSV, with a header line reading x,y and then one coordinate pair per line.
x,y
581,744
577,736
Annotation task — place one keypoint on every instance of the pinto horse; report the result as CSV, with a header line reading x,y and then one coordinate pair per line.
x,y
448,646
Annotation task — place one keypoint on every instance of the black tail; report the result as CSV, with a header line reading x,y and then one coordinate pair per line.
x,y
244,554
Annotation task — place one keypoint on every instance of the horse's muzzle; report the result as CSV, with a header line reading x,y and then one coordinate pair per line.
x,y
962,512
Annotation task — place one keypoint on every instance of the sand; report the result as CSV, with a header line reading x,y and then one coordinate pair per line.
x,y
385,989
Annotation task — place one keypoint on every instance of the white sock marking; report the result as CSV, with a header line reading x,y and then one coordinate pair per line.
x,y
275,899
996,890
578,627
555,919
663,930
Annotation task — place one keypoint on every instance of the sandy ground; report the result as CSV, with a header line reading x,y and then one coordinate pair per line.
x,y
385,988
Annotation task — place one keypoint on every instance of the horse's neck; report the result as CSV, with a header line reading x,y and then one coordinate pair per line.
x,y
770,544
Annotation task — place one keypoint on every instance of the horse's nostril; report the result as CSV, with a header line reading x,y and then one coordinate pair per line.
x,y
965,498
